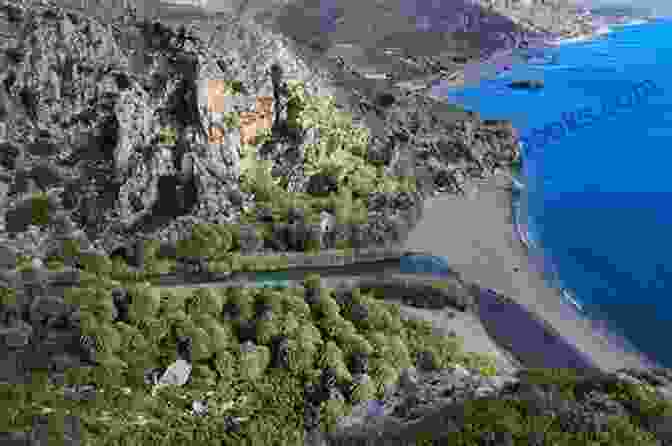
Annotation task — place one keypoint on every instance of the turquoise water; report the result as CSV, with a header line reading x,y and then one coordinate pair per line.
x,y
597,197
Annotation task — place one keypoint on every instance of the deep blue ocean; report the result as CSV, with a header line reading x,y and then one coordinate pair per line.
x,y
598,195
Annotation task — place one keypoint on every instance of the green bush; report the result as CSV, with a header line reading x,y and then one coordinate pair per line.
x,y
40,209
326,306
111,371
226,365
221,334
354,343
564,378
398,353
295,304
109,338
308,333
96,264
244,298
224,237
332,356
302,356
383,375
203,373
364,391
331,411
145,301
171,300
312,281
168,136
99,304
155,329
336,327
201,343
267,330
205,301
253,364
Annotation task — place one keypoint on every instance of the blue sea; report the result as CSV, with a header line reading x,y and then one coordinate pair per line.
x,y
597,202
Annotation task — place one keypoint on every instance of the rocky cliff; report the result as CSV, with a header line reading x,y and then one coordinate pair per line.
x,y
87,106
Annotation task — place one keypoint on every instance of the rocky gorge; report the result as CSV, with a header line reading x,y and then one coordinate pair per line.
x,y
104,125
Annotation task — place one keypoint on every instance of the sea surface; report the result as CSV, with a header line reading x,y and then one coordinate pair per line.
x,y
596,208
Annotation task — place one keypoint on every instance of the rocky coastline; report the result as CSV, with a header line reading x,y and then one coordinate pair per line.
x,y
108,141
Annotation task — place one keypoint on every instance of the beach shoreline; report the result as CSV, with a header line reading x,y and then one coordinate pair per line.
x,y
478,237
599,325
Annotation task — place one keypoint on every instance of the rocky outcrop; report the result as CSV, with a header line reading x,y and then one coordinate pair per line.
x,y
118,86
527,85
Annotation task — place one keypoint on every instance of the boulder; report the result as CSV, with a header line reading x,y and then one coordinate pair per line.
x,y
527,84
8,257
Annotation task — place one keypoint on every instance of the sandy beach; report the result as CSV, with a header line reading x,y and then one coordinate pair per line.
x,y
476,236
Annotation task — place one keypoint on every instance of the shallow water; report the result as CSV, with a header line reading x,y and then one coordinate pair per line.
x,y
597,192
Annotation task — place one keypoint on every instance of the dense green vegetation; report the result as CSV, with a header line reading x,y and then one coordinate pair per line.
x,y
519,419
241,383
339,152
319,335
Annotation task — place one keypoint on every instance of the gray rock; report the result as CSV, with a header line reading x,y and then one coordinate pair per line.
x,y
176,374
527,84
8,257
327,222
408,380
16,337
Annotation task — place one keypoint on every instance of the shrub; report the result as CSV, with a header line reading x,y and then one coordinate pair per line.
x,y
332,356
201,342
41,208
96,264
301,356
201,243
565,378
224,237
295,305
326,306
379,342
168,136
383,375
226,365
99,304
289,325
485,365
111,371
203,374
355,343
271,299
172,301
379,318
145,301
399,356
108,338
308,333
132,339
205,301
363,389
337,328
312,281
331,411
267,330
222,335
243,298
155,329
253,363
